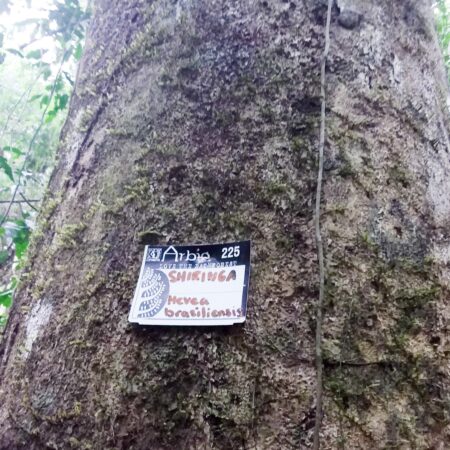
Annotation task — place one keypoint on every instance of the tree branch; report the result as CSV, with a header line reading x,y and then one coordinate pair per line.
x,y
28,202
20,201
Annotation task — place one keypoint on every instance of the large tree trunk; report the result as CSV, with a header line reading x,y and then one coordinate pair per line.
x,y
198,122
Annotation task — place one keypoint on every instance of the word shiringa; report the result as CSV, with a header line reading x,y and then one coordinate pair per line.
x,y
198,311
200,275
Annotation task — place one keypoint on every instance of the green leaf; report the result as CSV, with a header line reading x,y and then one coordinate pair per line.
x,y
13,51
20,248
35,97
50,116
6,167
62,100
6,297
44,100
78,52
4,255
16,152
35,54
21,238
46,73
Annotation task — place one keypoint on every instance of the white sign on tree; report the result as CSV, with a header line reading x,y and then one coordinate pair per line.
x,y
192,285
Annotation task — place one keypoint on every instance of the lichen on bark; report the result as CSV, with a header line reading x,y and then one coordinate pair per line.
x,y
198,122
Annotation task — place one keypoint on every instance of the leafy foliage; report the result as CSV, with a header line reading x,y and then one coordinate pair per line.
x,y
37,81
6,168
442,13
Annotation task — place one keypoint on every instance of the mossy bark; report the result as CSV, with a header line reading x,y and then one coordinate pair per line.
x,y
198,122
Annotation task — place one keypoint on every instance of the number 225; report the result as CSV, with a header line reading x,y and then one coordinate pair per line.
x,y
230,252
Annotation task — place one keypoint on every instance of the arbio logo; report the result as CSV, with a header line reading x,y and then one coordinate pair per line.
x,y
154,292
171,253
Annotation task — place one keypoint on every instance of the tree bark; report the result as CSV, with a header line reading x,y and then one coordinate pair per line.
x,y
199,122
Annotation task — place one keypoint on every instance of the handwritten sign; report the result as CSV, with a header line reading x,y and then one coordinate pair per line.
x,y
192,285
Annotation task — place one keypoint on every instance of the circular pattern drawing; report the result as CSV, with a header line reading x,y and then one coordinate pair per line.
x,y
154,292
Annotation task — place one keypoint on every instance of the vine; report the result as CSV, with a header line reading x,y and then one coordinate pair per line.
x,y
319,313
